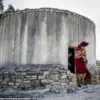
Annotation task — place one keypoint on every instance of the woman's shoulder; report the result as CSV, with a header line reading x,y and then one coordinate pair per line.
x,y
78,49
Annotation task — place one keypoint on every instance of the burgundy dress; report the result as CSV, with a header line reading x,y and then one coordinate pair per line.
x,y
80,65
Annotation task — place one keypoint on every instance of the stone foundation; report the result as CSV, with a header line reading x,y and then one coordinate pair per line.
x,y
32,77
94,74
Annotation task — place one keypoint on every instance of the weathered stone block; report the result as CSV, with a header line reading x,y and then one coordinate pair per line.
x,y
1,73
30,73
46,72
17,84
64,80
18,73
1,80
26,82
48,86
4,83
74,80
41,77
15,87
56,83
27,85
23,73
64,76
34,76
35,83
55,89
57,77
27,76
46,81
11,83
51,76
6,73
18,80
63,84
6,79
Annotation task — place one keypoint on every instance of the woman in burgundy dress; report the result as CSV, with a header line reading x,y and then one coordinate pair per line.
x,y
80,62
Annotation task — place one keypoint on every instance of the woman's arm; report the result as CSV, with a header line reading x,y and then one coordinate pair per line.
x,y
72,46
78,54
83,53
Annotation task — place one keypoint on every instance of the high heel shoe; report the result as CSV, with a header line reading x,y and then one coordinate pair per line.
x,y
79,85
84,83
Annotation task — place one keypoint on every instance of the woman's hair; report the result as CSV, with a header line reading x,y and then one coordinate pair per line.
x,y
83,44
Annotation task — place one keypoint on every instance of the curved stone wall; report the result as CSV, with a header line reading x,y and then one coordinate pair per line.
x,y
41,36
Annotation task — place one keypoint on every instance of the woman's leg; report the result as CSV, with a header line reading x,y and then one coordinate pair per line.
x,y
83,77
79,79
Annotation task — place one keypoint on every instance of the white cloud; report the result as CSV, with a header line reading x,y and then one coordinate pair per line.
x,y
88,8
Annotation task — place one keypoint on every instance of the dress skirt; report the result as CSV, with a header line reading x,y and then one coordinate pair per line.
x,y
81,66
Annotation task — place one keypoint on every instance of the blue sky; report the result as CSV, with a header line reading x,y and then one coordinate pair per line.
x,y
88,8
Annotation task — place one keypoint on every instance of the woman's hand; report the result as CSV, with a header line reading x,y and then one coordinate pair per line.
x,y
83,52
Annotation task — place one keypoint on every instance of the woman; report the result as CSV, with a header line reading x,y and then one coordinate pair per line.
x,y
80,62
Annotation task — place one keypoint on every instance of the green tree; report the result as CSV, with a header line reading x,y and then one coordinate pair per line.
x,y
10,8
1,6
